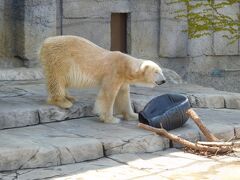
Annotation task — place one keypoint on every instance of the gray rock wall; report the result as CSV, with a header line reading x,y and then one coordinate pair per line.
x,y
6,28
39,23
220,45
172,39
208,61
144,28
92,20
152,33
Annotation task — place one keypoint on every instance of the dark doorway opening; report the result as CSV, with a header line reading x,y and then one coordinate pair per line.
x,y
119,32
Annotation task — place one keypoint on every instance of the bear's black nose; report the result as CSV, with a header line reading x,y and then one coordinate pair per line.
x,y
160,82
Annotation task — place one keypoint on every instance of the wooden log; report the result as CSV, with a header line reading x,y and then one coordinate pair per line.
x,y
193,115
177,139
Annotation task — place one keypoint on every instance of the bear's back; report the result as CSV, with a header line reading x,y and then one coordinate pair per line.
x,y
71,46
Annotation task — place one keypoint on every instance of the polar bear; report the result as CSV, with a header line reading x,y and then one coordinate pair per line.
x,y
75,62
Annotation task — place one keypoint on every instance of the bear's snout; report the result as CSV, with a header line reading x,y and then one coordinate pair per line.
x,y
160,79
160,82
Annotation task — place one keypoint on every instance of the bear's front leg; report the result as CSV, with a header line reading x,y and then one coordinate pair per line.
x,y
105,100
122,104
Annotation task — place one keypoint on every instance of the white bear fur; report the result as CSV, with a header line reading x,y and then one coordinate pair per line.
x,y
71,61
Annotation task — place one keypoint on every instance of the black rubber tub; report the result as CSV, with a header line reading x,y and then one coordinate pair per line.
x,y
168,110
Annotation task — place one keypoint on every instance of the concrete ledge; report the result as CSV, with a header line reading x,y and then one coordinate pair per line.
x,y
78,140
71,142
23,103
16,74
41,146
169,164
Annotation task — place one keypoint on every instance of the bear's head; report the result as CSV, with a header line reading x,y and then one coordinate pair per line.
x,y
149,74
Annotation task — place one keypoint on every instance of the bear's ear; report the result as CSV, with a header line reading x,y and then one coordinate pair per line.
x,y
144,66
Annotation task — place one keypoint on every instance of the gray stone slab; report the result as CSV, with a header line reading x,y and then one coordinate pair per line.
x,y
102,169
18,117
36,22
7,29
24,103
172,77
220,122
83,27
221,45
111,135
92,8
214,71
203,45
15,74
200,46
237,131
158,162
52,113
143,31
42,146
222,132
8,176
207,100
169,164
172,39
232,101
221,116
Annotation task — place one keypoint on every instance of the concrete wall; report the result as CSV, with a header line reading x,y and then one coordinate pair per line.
x,y
6,29
23,26
208,61
39,22
173,41
91,19
7,34
152,33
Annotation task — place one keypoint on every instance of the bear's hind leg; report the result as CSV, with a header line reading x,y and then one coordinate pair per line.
x,y
57,94
122,104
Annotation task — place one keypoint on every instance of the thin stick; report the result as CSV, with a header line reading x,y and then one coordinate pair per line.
x,y
215,143
184,142
193,115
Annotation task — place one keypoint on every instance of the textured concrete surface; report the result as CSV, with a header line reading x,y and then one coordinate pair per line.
x,y
6,29
220,72
41,146
71,142
153,32
221,45
169,164
39,23
23,27
172,39
84,139
20,74
24,102
77,139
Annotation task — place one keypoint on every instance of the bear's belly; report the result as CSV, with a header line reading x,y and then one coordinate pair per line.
x,y
77,79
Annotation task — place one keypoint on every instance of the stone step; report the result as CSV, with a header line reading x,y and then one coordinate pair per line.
x,y
23,103
168,164
79,140
72,141
20,74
